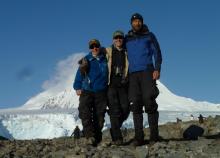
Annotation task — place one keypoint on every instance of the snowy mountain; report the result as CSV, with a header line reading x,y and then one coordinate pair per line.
x,y
60,94
53,112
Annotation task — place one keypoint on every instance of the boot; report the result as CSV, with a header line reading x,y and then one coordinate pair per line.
x,y
117,142
115,130
153,125
138,126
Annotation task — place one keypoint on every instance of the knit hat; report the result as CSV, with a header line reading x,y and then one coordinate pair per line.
x,y
137,16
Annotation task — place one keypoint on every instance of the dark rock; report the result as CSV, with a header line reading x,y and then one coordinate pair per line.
x,y
193,132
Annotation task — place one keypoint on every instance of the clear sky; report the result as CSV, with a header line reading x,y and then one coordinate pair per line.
x,y
35,35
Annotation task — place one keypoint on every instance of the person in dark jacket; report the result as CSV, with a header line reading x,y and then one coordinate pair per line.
x,y
91,85
76,133
142,47
118,86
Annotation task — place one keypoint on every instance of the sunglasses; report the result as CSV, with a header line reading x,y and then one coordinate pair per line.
x,y
94,46
118,37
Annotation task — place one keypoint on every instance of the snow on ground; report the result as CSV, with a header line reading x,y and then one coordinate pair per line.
x,y
52,124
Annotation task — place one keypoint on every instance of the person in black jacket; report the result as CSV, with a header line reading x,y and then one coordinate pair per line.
x,y
76,133
118,86
142,48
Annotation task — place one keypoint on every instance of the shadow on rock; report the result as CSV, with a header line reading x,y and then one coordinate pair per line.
x,y
172,139
216,136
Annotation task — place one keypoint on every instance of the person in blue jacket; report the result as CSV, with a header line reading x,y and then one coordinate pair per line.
x,y
91,85
142,48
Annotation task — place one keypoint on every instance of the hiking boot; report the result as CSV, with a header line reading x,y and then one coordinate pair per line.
x,y
117,142
137,142
152,141
91,141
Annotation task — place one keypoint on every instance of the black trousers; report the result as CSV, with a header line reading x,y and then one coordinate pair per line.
x,y
92,108
143,92
118,109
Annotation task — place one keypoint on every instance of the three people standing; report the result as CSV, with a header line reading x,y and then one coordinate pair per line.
x,y
133,53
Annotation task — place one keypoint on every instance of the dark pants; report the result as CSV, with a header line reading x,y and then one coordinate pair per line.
x,y
143,92
118,109
92,108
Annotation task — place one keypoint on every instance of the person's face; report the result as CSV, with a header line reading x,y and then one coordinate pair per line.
x,y
95,48
118,41
136,25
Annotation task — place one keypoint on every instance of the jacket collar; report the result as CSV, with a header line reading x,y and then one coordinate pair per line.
x,y
115,49
99,57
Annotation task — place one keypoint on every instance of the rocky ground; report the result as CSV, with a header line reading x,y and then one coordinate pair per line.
x,y
173,144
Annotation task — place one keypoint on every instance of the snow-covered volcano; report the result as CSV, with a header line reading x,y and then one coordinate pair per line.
x,y
58,91
60,94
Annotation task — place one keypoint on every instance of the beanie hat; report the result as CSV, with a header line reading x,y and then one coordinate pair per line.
x,y
137,16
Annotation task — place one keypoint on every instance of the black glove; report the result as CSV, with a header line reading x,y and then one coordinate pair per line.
x,y
154,92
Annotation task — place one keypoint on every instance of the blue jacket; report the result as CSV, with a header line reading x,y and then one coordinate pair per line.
x,y
97,77
142,48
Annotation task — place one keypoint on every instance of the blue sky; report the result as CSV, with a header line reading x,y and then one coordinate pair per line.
x,y
35,35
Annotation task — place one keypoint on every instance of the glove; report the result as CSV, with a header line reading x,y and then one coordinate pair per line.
x,y
154,92
83,66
